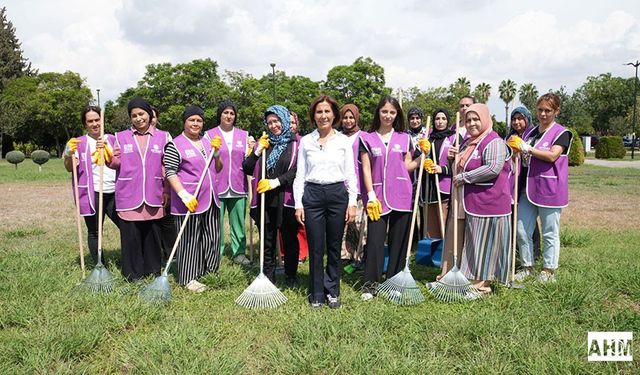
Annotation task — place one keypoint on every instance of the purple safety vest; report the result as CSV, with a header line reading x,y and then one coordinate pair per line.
x,y
231,175
192,165
389,175
357,163
548,183
288,190
86,190
489,198
139,179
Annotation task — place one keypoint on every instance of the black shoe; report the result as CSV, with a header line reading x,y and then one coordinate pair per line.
x,y
333,302
291,282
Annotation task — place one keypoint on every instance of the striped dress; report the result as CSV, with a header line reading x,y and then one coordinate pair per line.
x,y
486,253
197,252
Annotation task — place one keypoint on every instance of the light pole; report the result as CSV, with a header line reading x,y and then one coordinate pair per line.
x,y
273,79
635,101
98,90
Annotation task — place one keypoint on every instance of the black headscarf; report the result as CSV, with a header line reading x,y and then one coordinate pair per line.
x,y
440,134
143,104
224,104
192,110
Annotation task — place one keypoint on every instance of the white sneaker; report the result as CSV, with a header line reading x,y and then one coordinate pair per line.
x,y
522,274
196,287
546,277
366,296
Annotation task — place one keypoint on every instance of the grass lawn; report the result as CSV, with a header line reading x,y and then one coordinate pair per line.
x,y
47,325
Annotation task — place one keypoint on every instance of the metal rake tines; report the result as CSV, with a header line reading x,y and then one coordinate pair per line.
x,y
158,292
261,294
100,280
454,293
401,289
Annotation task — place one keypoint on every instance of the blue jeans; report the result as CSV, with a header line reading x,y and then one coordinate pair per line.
x,y
549,232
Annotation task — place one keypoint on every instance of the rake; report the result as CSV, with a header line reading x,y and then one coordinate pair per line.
x,y
512,283
100,280
159,291
77,201
261,294
454,286
402,289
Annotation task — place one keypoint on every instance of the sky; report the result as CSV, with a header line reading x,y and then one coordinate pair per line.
x,y
427,43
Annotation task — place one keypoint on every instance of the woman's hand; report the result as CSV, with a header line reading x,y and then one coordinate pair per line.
x,y
350,215
458,180
300,215
453,151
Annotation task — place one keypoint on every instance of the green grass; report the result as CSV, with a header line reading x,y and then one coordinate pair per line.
x,y
27,171
48,325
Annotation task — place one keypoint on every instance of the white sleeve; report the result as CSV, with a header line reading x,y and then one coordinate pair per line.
x,y
298,182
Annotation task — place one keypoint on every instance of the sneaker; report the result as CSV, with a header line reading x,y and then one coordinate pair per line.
x,y
546,277
369,290
333,302
291,282
316,305
366,296
196,287
242,260
522,274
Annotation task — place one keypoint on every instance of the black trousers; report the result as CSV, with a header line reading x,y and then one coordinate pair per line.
x,y
289,231
325,208
140,243
168,233
108,209
398,223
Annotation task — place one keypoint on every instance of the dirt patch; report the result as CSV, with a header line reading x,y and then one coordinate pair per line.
x,y
43,205
592,210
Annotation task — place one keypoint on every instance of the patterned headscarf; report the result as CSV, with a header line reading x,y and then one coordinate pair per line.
x,y
525,112
278,142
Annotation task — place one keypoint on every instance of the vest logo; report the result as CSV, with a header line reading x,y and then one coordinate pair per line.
x,y
189,153
128,148
239,144
155,149
376,151
475,154
396,148
609,346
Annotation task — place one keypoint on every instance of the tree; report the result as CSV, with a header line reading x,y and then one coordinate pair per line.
x,y
482,92
606,97
507,90
431,99
461,87
573,112
12,63
361,83
528,96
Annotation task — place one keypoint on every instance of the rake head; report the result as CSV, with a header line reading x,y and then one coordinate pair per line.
x,y
401,289
158,292
261,294
454,287
100,280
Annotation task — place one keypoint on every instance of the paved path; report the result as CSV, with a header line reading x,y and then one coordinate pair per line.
x,y
614,163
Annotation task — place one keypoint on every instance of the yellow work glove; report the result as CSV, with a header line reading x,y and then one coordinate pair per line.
x,y
429,166
514,143
95,156
265,185
72,145
425,145
374,207
263,144
189,200
216,142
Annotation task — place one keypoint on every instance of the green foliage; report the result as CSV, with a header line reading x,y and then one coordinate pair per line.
x,y
40,157
431,99
482,92
528,95
12,63
576,152
461,87
361,83
499,126
27,148
574,112
605,97
507,90
15,157
610,147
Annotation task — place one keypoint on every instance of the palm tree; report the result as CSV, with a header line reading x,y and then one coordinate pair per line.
x,y
460,87
528,95
507,91
482,92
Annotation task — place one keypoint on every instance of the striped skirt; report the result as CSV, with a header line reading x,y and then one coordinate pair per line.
x,y
198,250
486,253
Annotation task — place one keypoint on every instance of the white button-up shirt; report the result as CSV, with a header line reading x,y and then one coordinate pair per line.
x,y
325,165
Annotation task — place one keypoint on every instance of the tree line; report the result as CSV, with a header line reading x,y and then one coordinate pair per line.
x,y
43,108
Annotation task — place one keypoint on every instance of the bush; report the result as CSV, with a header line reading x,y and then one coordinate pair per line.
x,y
576,152
15,157
610,148
40,157
26,148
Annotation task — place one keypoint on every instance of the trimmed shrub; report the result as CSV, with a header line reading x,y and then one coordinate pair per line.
x,y
610,147
40,157
15,157
576,152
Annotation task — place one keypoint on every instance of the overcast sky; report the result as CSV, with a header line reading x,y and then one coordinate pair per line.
x,y
419,43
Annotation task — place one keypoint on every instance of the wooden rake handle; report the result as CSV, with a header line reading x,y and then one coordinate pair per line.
x,y
414,213
77,201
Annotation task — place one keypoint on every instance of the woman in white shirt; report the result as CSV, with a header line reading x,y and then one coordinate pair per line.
x,y
325,198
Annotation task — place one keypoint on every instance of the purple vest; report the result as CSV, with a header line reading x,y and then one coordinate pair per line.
x,y
86,190
445,180
357,163
489,198
548,183
192,165
140,179
288,190
231,175
389,175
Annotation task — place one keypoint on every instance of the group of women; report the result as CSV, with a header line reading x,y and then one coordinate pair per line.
x,y
351,190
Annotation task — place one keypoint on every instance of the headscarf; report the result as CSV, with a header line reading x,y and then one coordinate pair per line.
x,y
525,112
446,132
354,111
192,110
224,104
486,127
278,142
414,111
143,104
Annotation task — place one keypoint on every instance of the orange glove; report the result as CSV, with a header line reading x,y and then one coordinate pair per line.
x,y
425,145
429,166
374,207
265,185
95,156
72,145
216,142
189,200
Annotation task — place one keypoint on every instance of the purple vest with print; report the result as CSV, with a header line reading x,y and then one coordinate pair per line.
x,y
389,175
231,175
445,180
86,190
192,165
548,183
288,191
489,198
357,164
139,179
